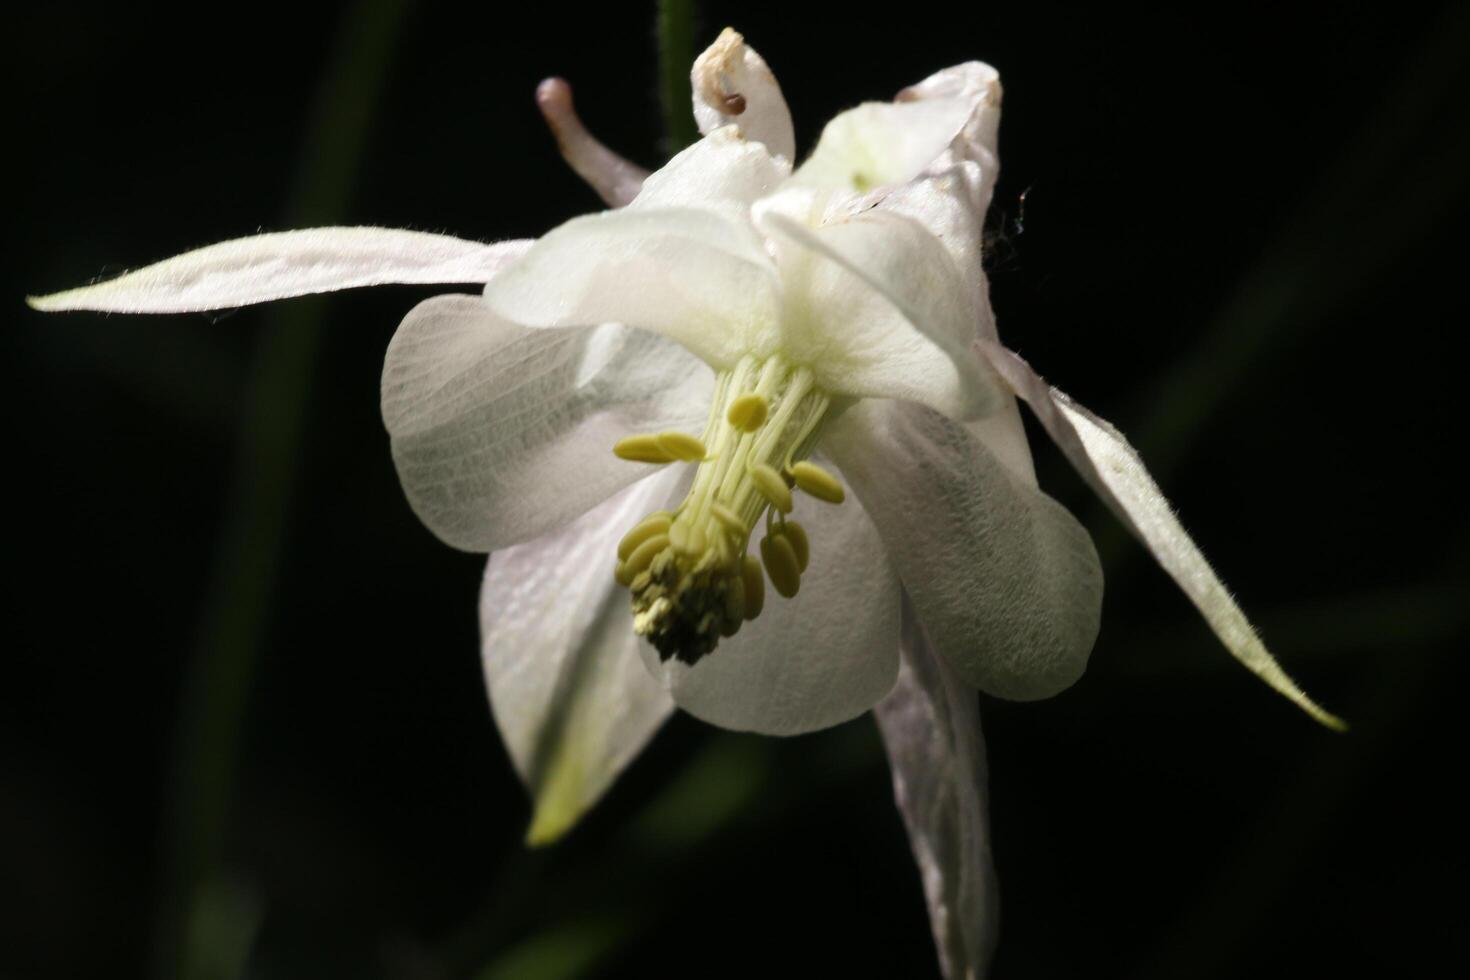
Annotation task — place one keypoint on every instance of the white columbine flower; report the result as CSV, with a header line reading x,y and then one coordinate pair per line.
x,y
763,338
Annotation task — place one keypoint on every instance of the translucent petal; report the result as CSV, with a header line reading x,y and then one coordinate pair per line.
x,y
1006,582
289,263
691,275
733,85
502,433
880,143
569,692
931,729
812,661
615,179
1112,467
879,309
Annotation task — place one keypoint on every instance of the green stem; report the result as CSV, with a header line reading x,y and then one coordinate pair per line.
x,y
675,56
247,558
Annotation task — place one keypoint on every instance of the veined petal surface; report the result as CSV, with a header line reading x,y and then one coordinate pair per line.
x,y
570,695
1115,472
931,730
281,264
1004,579
732,85
502,433
822,657
690,275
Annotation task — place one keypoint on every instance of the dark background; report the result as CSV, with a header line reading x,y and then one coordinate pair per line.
x,y
1241,241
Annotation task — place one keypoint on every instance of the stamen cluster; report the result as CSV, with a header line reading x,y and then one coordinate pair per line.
x,y
691,580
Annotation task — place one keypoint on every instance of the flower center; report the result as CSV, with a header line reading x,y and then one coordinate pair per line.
x,y
687,569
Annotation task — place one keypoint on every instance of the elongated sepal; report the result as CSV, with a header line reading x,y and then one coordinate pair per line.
x,y
931,728
280,265
1116,473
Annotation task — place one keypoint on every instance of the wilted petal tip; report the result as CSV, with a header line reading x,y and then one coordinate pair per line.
x,y
732,84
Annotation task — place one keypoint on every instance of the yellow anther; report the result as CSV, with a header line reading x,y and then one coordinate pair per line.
x,y
687,538
622,576
780,560
652,524
771,486
735,601
796,534
728,518
643,555
641,449
681,446
755,586
816,481
748,412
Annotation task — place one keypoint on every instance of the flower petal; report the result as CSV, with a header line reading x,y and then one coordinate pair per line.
x,y
977,85
878,307
1112,467
881,143
1006,581
931,729
950,203
733,85
288,263
569,693
696,278
615,179
723,172
502,433
822,657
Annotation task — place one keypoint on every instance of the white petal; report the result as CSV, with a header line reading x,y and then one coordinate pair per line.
x,y
880,143
569,693
931,729
950,203
819,658
952,195
502,433
690,275
722,172
1105,459
1007,583
977,85
879,309
288,263
733,85
615,179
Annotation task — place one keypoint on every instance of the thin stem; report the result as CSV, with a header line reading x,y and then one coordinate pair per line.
x,y
247,557
675,56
